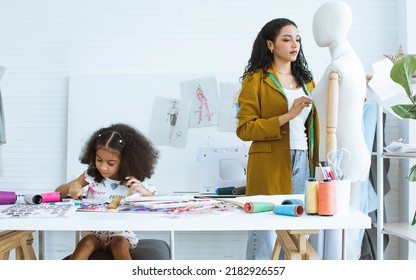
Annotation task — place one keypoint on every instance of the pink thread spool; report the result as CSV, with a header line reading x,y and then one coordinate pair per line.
x,y
327,198
7,197
51,197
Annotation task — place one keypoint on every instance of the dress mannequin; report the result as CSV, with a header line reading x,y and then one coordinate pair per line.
x,y
339,98
331,24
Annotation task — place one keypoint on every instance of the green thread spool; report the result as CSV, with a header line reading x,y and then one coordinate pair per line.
x,y
257,207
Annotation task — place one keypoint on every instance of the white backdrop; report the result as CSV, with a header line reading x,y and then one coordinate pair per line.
x,y
96,101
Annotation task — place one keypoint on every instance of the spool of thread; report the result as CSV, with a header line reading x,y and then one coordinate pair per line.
x,y
312,196
51,197
33,199
224,191
239,191
292,201
257,207
7,197
327,198
289,210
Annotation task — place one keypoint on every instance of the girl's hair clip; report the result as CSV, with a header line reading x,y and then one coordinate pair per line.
x,y
120,140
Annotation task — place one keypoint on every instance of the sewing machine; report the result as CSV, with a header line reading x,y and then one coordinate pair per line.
x,y
220,167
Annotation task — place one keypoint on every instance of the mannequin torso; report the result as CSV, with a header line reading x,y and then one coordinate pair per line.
x,y
331,24
352,89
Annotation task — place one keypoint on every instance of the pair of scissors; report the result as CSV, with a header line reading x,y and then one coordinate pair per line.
x,y
339,160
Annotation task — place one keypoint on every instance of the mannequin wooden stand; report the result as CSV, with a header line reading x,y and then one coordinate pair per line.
x,y
332,111
20,241
294,245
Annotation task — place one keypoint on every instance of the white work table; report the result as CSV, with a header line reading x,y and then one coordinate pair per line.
x,y
224,221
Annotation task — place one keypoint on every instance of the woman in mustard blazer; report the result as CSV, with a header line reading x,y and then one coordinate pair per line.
x,y
277,115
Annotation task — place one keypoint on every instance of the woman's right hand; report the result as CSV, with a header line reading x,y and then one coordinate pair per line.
x,y
298,105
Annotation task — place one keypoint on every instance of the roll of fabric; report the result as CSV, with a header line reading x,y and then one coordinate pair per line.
x,y
7,197
312,196
327,198
289,210
257,207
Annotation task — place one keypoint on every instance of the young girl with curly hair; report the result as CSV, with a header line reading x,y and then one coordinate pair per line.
x,y
119,159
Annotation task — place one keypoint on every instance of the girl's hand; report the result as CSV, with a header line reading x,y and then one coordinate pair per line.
x,y
75,191
136,185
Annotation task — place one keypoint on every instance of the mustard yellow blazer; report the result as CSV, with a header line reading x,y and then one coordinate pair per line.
x,y
269,164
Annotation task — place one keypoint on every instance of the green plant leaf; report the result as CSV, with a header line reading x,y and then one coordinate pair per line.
x,y
406,111
412,174
402,72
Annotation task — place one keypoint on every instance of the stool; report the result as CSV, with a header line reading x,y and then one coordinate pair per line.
x,y
147,249
294,245
19,240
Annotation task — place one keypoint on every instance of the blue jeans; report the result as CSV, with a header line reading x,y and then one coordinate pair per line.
x,y
260,243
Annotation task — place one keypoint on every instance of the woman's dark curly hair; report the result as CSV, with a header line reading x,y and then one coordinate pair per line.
x,y
262,58
138,156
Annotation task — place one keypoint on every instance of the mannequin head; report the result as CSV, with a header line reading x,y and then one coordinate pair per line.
x,y
331,23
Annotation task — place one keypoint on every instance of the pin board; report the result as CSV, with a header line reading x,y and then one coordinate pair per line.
x,y
99,100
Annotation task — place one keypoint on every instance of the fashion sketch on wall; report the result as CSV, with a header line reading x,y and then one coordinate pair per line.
x,y
169,122
229,106
203,96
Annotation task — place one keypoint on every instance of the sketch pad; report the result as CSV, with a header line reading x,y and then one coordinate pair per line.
x,y
139,197
175,204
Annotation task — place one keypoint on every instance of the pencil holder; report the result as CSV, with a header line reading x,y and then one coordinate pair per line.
x,y
327,198
343,190
322,173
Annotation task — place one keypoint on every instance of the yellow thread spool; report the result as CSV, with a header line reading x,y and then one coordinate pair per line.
x,y
312,196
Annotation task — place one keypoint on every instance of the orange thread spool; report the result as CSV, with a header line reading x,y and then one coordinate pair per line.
x,y
327,198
